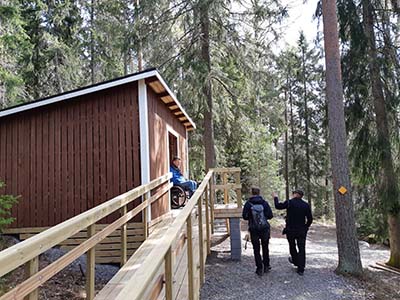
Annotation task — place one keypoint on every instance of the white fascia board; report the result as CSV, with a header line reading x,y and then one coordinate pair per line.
x,y
78,93
187,153
144,132
174,98
144,137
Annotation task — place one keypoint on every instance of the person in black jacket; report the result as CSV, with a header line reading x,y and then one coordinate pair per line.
x,y
298,220
257,207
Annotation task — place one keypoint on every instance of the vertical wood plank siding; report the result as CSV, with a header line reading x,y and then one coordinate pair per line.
x,y
159,117
67,157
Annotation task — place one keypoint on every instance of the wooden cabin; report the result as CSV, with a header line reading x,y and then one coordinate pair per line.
x,y
67,153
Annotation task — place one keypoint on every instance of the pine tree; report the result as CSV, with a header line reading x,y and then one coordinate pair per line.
x,y
372,101
388,181
349,253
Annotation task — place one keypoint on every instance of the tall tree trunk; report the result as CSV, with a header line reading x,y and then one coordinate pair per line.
x,y
92,48
327,208
36,62
139,44
294,156
394,237
208,137
127,42
388,182
327,205
307,134
59,80
348,250
286,143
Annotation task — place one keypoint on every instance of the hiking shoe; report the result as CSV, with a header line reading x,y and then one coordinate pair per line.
x,y
259,272
267,268
301,273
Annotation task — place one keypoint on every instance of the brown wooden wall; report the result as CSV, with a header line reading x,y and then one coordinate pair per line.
x,y
159,117
70,156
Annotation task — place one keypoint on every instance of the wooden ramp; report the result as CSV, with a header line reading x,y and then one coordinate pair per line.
x,y
156,288
168,264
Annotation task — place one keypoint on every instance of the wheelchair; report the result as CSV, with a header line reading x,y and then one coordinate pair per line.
x,y
179,196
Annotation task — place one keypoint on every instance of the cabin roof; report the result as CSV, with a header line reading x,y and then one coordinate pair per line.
x,y
151,76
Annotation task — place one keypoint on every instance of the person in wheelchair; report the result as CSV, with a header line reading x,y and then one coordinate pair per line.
x,y
179,179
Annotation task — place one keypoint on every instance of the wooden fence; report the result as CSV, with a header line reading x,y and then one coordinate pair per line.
x,y
28,251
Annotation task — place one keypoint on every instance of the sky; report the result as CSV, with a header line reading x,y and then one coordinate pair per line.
x,y
300,18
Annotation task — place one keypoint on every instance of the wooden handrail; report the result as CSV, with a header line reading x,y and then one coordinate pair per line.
x,y
136,286
17,255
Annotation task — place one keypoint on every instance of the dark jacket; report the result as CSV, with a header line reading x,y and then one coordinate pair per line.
x,y
298,216
247,215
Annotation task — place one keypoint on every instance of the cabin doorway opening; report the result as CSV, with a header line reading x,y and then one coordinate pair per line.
x,y
172,146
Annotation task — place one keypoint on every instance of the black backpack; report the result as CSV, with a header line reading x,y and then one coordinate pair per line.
x,y
259,219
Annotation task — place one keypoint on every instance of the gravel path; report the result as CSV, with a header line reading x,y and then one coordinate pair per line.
x,y
226,279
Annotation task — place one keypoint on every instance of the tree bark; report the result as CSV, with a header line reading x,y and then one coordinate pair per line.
x,y
348,250
388,191
92,49
286,143
208,137
139,44
294,156
307,134
328,204
394,238
327,209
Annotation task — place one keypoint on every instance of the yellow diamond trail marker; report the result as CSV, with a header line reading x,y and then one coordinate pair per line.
x,y
342,190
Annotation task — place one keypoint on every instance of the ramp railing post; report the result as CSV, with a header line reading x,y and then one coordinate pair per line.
x,y
31,268
124,252
212,200
145,218
189,235
238,190
207,221
226,196
201,238
90,265
168,275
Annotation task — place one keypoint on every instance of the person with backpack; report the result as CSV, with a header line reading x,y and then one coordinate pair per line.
x,y
298,220
257,212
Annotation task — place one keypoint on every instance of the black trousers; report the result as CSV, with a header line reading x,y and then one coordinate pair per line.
x,y
297,247
256,237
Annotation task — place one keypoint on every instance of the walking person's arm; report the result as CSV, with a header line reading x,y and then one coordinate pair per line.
x,y
279,205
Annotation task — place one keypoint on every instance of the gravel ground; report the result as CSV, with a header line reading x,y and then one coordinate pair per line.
x,y
226,279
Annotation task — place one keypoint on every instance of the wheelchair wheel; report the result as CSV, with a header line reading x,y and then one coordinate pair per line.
x,y
178,197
